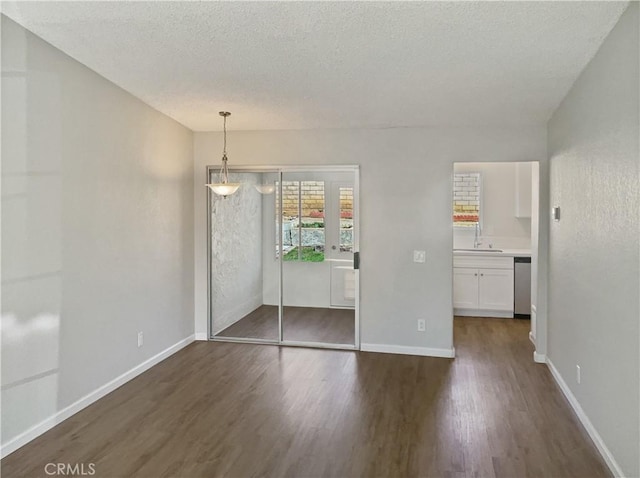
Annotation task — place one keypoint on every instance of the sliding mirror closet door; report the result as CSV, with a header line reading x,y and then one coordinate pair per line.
x,y
318,277
244,267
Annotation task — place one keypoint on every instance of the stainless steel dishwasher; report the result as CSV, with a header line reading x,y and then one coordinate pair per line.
x,y
522,287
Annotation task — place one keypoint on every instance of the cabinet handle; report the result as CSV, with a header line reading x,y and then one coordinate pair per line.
x,y
481,275
475,275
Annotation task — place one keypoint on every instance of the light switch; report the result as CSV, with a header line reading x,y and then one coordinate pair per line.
x,y
419,256
555,213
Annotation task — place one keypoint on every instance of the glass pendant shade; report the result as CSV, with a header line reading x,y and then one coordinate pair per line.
x,y
265,188
224,189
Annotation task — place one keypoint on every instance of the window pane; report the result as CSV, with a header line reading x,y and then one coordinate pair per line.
x,y
290,219
312,237
303,235
466,199
346,219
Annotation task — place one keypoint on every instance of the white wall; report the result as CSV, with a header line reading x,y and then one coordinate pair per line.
x,y
395,291
594,260
97,231
500,226
236,252
535,231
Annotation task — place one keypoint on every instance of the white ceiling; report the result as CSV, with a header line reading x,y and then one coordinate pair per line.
x,y
298,65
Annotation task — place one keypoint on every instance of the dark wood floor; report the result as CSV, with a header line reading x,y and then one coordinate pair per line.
x,y
240,410
303,324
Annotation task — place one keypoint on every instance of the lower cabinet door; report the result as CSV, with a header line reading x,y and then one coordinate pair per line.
x,y
495,289
465,288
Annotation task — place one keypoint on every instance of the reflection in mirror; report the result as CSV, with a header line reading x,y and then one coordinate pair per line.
x,y
317,267
243,304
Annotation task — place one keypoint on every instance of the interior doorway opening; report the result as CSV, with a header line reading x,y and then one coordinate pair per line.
x,y
495,240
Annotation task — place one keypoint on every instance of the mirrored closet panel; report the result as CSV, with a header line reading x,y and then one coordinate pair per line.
x,y
244,297
281,252
318,278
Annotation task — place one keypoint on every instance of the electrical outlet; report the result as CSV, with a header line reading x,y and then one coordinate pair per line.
x,y
140,339
422,325
578,373
419,256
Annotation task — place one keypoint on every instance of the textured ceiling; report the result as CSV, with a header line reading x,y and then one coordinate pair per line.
x,y
332,65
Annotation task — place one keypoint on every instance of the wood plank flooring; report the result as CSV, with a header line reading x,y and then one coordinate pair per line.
x,y
303,324
240,410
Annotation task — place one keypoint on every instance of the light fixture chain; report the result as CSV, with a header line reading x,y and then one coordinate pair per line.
x,y
224,171
224,127
224,188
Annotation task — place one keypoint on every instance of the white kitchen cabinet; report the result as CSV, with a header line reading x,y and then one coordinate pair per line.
x,y
465,288
495,289
483,286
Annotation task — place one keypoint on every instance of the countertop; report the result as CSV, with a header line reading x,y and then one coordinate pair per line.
x,y
485,253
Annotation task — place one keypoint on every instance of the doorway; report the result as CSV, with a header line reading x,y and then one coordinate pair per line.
x,y
281,257
495,241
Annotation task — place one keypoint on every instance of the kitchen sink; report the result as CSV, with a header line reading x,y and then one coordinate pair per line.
x,y
477,250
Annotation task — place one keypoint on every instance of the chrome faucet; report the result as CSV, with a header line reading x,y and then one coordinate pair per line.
x,y
476,239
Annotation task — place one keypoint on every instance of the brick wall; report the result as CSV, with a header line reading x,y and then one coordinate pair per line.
x,y
313,199
466,197
346,199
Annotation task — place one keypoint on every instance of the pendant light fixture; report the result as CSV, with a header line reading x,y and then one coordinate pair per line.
x,y
266,188
223,187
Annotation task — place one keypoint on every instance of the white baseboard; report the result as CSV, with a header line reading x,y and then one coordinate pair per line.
x,y
500,314
531,338
582,416
45,425
403,350
201,336
539,358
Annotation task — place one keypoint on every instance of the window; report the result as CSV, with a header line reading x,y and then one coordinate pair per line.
x,y
466,199
346,219
303,231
